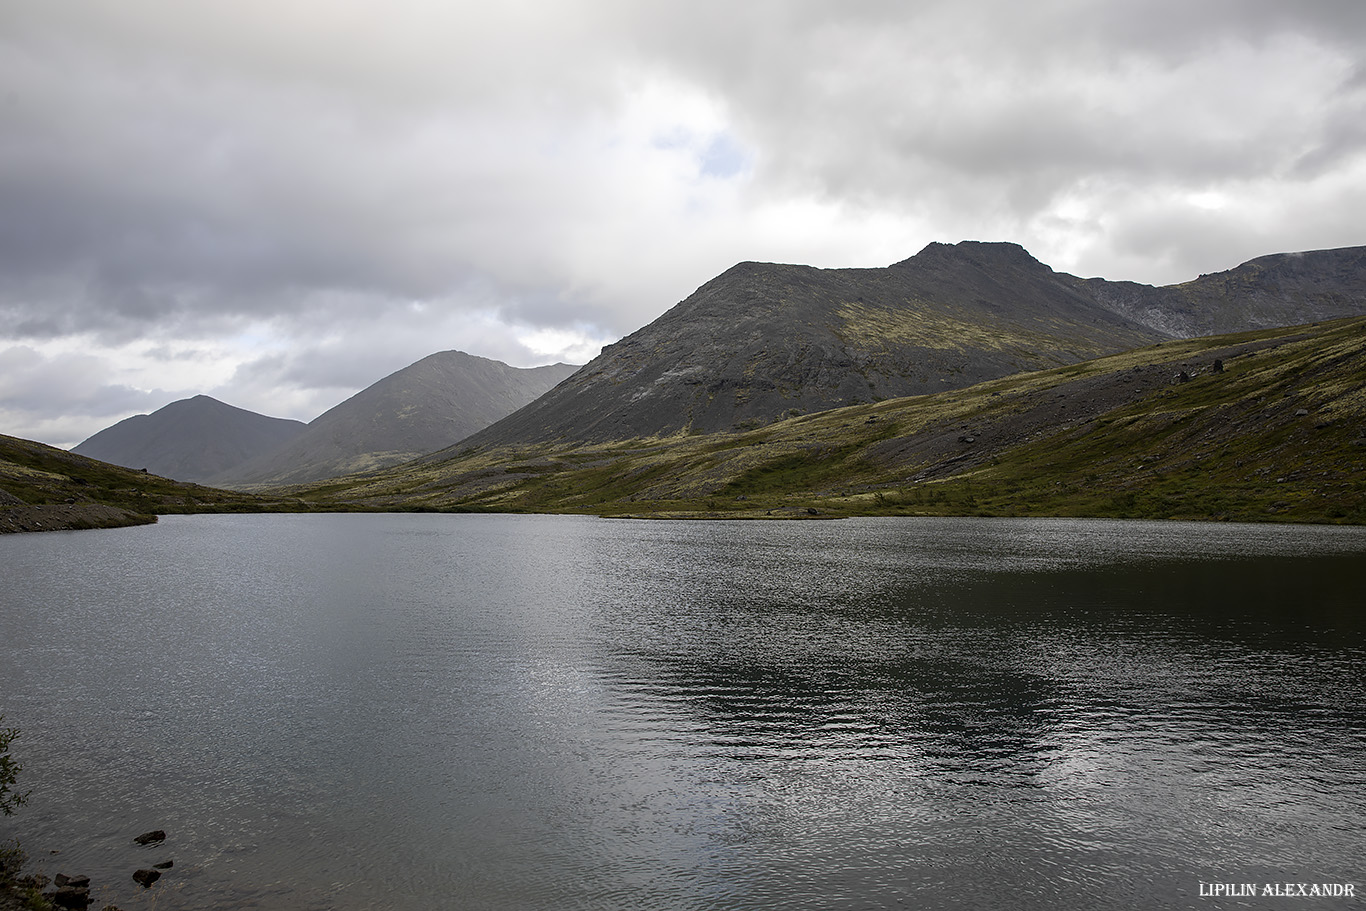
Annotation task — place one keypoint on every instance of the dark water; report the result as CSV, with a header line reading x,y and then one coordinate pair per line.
x,y
498,712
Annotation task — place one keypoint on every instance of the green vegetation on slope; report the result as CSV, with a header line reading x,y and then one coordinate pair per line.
x,y
44,488
1276,430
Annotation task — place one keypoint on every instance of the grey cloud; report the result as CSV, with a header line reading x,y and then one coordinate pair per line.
x,y
260,165
1174,29
173,171
72,383
144,183
1189,241
1003,89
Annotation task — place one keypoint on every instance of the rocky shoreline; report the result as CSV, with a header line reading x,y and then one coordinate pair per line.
x,y
26,892
69,517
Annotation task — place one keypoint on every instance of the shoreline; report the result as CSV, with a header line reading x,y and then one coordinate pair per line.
x,y
69,517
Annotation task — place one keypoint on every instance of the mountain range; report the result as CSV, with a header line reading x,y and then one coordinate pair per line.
x,y
1283,289
693,414
424,407
761,341
776,385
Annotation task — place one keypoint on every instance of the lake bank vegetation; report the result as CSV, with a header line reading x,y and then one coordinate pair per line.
x,y
43,488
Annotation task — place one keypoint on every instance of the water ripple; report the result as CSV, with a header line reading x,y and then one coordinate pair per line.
x,y
504,712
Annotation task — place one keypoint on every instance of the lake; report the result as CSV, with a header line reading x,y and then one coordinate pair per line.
x,y
557,712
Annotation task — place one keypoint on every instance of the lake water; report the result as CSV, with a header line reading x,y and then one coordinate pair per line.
x,y
531,712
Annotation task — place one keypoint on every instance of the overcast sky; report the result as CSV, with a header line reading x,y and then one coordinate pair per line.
x,y
277,203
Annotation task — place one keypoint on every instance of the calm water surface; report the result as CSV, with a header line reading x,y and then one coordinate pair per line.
x,y
529,712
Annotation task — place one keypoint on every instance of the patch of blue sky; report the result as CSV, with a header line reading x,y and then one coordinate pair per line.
x,y
718,155
725,157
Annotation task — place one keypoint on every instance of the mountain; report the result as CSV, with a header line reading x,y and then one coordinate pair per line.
x,y
1258,426
426,406
763,341
189,440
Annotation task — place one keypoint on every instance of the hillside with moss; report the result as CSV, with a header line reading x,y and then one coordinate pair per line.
x,y
43,488
1267,425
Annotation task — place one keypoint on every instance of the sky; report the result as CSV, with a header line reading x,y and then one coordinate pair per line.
x,y
278,203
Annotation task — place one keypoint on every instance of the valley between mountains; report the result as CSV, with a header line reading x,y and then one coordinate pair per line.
x,y
970,379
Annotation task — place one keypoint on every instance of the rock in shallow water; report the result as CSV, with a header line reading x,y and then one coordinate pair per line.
x,y
145,878
70,896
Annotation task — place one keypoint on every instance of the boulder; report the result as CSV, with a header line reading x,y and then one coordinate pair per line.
x,y
69,896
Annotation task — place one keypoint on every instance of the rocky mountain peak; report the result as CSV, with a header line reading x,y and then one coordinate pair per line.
x,y
989,254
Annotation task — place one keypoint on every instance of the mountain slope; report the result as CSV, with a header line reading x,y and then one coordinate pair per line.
x,y
43,488
762,341
189,440
1268,425
424,407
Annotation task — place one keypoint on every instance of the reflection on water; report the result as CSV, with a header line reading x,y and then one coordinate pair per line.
x,y
548,712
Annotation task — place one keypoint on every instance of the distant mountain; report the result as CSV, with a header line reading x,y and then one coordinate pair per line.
x,y
426,406
189,440
761,341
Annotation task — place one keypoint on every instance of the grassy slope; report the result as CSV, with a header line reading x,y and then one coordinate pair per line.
x,y
66,485
1119,436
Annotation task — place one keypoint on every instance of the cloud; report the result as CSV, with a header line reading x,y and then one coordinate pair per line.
x,y
61,392
313,194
